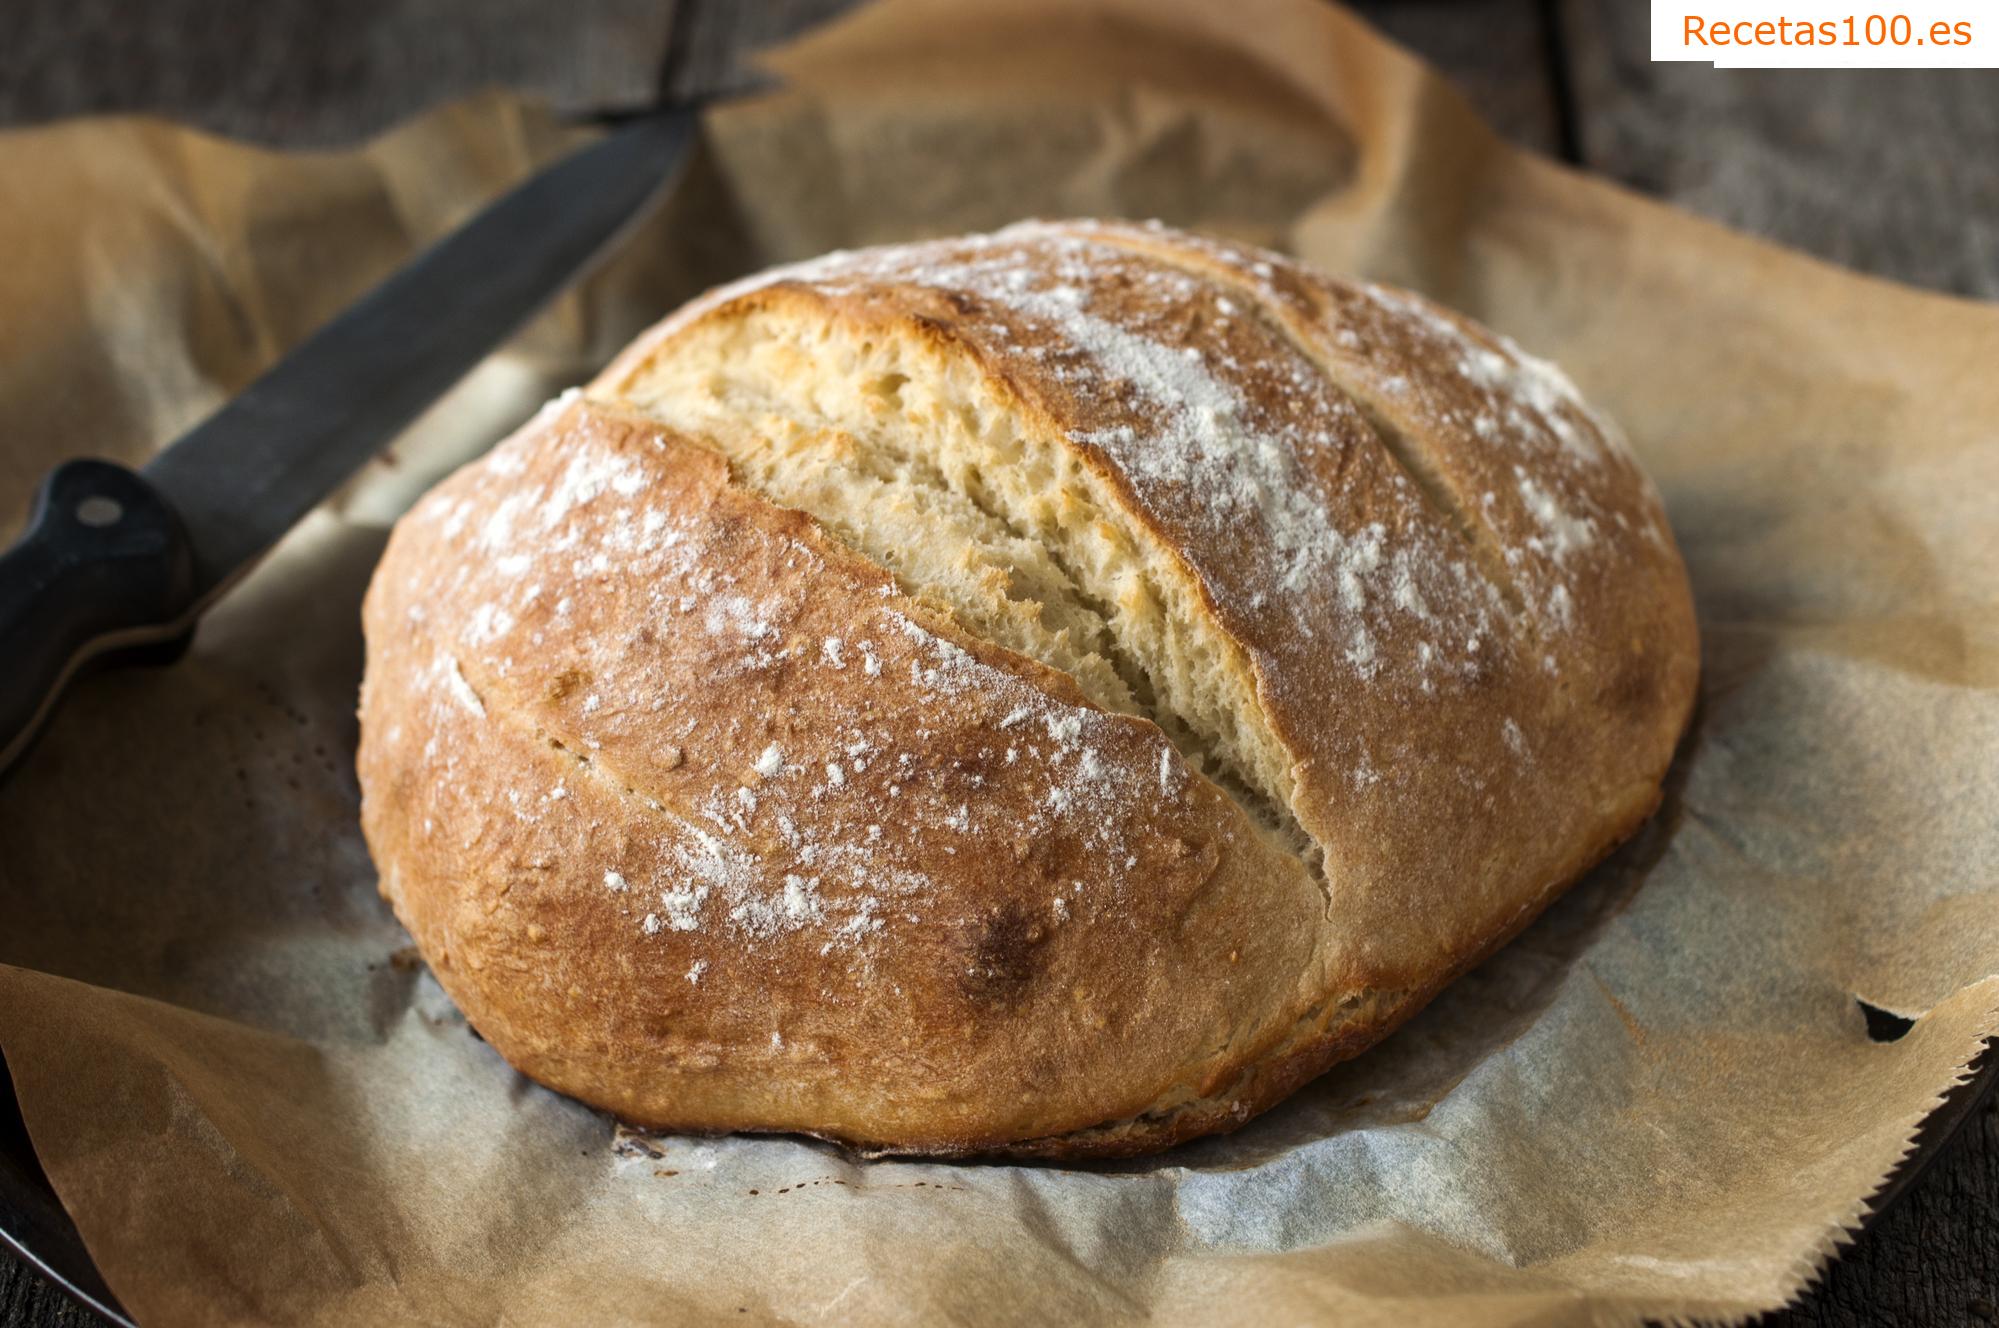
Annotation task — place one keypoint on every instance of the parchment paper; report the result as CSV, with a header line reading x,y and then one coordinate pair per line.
x,y
1661,1100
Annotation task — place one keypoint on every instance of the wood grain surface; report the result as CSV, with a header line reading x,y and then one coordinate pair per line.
x,y
1891,172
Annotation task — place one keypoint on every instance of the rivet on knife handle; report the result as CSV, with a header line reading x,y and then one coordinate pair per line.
x,y
104,569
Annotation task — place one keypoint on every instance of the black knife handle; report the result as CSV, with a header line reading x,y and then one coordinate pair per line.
x,y
104,572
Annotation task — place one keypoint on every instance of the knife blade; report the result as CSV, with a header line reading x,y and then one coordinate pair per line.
x,y
118,564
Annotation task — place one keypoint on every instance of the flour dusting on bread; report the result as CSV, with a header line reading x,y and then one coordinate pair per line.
x,y
818,868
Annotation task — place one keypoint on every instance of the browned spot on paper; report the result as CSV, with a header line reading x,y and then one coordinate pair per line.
x,y
1631,1025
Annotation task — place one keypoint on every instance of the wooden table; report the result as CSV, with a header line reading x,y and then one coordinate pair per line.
x,y
1895,173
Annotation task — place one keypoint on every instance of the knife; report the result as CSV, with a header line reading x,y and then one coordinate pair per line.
x,y
116,565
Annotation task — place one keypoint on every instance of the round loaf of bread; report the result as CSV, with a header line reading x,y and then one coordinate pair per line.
x,y
1051,692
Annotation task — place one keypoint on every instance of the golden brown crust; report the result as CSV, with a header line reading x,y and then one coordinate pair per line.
x,y
702,819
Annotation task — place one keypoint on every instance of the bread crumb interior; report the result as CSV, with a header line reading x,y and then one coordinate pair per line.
x,y
918,461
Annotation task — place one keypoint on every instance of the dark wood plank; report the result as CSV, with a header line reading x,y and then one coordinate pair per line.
x,y
302,73
305,72
1887,171
1932,1258
26,1298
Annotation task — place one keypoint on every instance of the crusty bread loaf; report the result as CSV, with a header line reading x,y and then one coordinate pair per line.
x,y
1050,693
